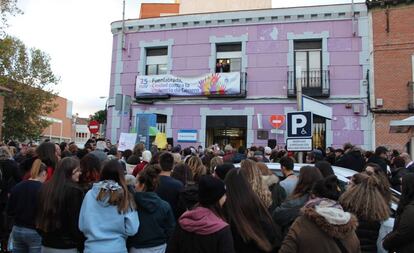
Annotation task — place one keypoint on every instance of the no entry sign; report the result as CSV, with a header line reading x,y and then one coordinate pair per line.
x,y
93,126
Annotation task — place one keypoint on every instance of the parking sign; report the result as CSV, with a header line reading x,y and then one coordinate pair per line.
x,y
299,124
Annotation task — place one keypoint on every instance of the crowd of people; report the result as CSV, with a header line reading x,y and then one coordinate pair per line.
x,y
59,198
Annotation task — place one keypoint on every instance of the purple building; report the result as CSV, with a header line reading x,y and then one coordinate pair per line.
x,y
219,77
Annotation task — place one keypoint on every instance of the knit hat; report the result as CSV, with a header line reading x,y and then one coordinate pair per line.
x,y
210,190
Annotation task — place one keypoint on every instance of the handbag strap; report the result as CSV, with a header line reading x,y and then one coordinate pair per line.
x,y
340,245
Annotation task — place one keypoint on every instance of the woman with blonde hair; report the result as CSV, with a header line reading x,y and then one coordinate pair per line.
x,y
364,199
197,167
214,162
108,214
272,182
250,171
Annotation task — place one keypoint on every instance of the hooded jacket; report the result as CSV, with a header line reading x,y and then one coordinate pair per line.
x,y
201,231
157,221
106,230
288,211
323,227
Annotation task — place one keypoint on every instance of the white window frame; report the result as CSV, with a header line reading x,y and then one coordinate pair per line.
x,y
144,45
224,55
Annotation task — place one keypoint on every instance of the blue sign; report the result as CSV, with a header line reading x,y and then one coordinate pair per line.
x,y
299,124
187,135
144,122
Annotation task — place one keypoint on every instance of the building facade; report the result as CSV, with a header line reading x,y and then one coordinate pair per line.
x,y
60,128
264,54
392,75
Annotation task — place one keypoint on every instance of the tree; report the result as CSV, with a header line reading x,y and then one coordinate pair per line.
x,y
27,72
99,116
7,7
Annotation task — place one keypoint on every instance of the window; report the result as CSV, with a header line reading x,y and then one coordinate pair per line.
x,y
157,61
228,57
308,63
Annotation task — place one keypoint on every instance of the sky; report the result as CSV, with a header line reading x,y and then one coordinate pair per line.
x,y
77,36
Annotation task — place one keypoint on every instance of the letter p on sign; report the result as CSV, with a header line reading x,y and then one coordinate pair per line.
x,y
298,122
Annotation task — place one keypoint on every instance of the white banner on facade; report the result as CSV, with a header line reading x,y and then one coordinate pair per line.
x,y
127,141
209,84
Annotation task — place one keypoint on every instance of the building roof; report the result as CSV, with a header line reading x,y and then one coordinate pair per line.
x,y
384,3
154,10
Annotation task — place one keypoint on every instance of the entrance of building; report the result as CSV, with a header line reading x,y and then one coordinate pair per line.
x,y
319,132
223,130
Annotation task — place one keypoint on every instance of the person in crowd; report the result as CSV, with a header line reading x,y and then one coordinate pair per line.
x,y
203,229
330,155
100,151
240,155
325,168
73,149
222,170
90,171
409,164
324,225
363,198
146,158
197,167
267,153
400,239
290,181
215,161
272,182
58,151
157,221
46,152
373,168
228,153
314,156
285,214
380,157
22,154
177,158
398,170
339,152
60,200
108,214
168,188
182,173
251,173
23,199
251,224
351,159
259,157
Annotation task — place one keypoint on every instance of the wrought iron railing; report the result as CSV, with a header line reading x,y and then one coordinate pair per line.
x,y
315,83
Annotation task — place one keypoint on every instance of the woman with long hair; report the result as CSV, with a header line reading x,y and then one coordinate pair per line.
x,y
250,171
204,229
323,226
251,224
91,169
272,182
46,152
157,218
385,185
23,199
108,214
197,167
401,238
364,199
60,200
285,214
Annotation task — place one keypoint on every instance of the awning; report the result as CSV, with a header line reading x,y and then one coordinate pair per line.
x,y
402,126
316,107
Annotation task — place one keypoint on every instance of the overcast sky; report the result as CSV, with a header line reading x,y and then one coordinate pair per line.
x,y
76,34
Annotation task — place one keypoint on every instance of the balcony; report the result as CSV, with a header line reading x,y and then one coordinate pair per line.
x,y
315,83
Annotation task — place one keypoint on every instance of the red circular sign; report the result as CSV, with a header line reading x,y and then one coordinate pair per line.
x,y
277,120
93,126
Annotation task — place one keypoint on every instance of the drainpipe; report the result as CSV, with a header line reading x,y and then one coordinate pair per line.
x,y
353,17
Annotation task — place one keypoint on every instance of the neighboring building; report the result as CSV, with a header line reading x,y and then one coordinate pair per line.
x,y
60,128
153,10
82,133
203,6
257,57
392,96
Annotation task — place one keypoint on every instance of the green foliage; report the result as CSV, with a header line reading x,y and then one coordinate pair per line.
x,y
99,116
7,8
29,75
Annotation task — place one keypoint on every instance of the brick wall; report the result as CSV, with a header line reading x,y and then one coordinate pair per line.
x,y
393,50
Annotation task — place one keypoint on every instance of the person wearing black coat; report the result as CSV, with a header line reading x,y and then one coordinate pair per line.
x,y
380,158
352,159
401,238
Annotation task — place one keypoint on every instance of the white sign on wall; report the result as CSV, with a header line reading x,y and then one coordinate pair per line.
x,y
187,136
209,84
299,144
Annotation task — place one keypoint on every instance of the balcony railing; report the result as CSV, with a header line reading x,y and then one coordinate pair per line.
x,y
315,83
